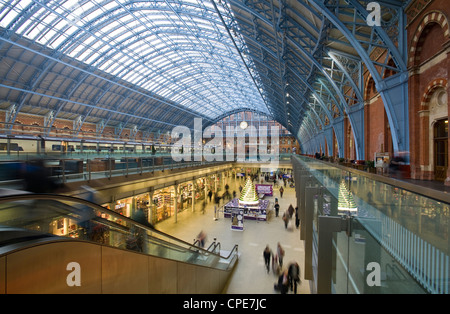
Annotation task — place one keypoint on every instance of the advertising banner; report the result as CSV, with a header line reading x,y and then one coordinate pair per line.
x,y
237,219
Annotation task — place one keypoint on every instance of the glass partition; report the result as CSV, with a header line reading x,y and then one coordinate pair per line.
x,y
403,231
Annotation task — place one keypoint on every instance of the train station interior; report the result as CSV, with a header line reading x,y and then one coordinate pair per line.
x,y
224,147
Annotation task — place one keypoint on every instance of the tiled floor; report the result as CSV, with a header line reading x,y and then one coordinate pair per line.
x,y
250,276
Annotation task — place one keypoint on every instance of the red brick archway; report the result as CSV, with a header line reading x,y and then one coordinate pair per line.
x,y
432,86
424,127
418,39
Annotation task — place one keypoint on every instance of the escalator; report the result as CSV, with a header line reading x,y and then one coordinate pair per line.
x,y
62,244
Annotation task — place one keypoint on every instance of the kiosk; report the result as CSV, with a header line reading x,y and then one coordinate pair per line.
x,y
248,206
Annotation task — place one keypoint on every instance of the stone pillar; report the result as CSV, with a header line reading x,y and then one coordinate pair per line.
x,y
425,172
414,107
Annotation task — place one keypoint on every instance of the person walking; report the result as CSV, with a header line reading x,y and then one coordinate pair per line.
x,y
293,276
283,283
280,253
286,219
291,211
267,253
201,237
210,195
140,234
281,192
203,207
277,208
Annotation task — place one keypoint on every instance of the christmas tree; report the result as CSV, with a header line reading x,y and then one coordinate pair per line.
x,y
346,204
248,194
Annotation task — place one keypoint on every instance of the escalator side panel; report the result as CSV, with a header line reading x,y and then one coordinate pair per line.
x,y
43,268
124,272
48,268
165,276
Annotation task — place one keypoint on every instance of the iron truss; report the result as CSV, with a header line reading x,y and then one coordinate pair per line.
x,y
142,65
151,65
311,57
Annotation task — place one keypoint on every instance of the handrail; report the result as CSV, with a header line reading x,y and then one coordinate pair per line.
x,y
405,185
212,248
53,197
48,196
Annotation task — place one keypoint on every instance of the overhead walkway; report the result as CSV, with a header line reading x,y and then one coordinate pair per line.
x,y
61,244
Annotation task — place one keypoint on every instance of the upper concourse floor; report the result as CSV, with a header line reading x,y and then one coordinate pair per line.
x,y
118,175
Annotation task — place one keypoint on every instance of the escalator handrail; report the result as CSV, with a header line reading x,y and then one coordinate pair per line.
x,y
50,196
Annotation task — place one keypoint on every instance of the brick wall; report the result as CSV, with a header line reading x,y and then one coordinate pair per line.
x,y
428,61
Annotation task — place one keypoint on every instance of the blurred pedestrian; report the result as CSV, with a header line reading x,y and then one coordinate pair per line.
x,y
286,219
203,206
291,211
139,232
280,253
267,253
210,193
277,208
283,283
201,237
293,276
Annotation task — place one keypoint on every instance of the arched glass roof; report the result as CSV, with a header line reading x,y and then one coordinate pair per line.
x,y
152,65
178,50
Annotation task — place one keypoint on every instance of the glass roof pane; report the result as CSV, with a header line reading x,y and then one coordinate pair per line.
x,y
8,16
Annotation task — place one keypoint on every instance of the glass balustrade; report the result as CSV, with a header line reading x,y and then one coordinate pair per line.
x,y
402,230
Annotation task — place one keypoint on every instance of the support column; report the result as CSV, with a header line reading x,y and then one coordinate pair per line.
x,y
339,131
327,226
356,120
150,207
8,146
425,172
193,196
133,206
205,187
311,192
329,137
301,209
215,183
175,201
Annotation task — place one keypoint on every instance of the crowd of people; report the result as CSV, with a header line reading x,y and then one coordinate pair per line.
x,y
287,277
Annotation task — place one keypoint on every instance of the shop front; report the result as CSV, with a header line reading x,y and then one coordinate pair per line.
x,y
163,205
185,191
